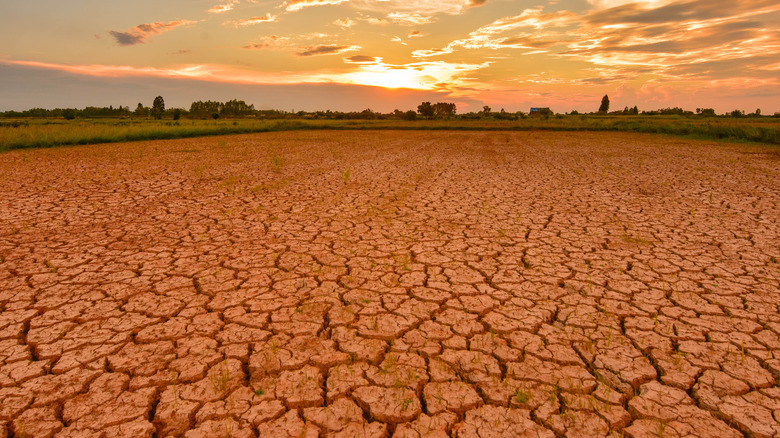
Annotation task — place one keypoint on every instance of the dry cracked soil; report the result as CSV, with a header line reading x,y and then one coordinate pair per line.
x,y
378,284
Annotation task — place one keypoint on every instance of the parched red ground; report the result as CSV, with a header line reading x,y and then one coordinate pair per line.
x,y
405,284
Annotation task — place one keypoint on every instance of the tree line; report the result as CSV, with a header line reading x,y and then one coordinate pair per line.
x,y
426,110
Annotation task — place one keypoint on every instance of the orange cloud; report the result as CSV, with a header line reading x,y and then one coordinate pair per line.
x,y
438,75
139,34
362,59
218,9
268,42
670,40
489,36
423,8
344,22
409,19
325,50
297,5
267,18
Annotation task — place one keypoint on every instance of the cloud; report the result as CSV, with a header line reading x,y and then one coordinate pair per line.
x,y
436,75
415,34
267,18
606,4
376,21
404,7
362,59
490,36
218,9
409,19
127,38
665,40
344,22
268,42
675,12
423,8
297,5
325,50
139,34
527,42
309,36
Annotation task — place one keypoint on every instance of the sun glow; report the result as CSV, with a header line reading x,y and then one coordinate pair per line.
x,y
427,76
381,76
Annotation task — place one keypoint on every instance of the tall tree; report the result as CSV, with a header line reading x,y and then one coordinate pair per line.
x,y
425,109
444,109
139,110
158,107
207,108
604,104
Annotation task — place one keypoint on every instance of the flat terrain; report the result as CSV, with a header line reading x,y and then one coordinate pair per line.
x,y
379,283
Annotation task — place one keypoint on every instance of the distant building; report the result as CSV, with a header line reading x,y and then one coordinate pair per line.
x,y
540,111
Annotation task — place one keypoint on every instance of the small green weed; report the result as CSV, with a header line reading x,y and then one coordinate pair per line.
x,y
521,397
276,162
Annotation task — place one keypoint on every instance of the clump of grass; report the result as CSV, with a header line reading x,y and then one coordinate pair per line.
x,y
221,380
276,162
521,397
21,430
345,175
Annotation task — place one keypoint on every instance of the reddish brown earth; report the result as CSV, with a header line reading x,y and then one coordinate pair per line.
x,y
376,284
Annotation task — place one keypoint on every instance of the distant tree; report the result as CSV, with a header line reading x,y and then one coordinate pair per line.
x,y
485,109
425,109
204,109
574,112
140,110
737,113
635,110
176,114
758,112
604,108
706,112
444,109
69,114
236,108
158,107
410,115
215,116
545,112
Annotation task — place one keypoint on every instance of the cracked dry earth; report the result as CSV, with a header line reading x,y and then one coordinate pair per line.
x,y
378,284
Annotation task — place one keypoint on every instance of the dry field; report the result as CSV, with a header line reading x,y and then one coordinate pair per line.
x,y
405,284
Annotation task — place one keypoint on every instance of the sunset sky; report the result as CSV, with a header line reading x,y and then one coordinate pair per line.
x,y
388,54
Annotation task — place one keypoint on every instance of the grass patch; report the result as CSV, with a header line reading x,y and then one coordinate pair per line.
x,y
39,133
